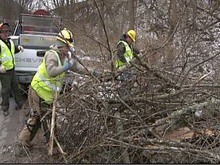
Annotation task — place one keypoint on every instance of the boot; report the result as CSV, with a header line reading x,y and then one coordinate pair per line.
x,y
6,113
5,110
18,107
24,137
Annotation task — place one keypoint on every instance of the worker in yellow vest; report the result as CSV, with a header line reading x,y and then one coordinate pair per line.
x,y
47,82
125,49
125,54
8,77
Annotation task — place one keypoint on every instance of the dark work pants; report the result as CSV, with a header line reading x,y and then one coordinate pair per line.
x,y
124,78
9,82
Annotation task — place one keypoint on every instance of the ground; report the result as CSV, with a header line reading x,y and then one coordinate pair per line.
x,y
10,150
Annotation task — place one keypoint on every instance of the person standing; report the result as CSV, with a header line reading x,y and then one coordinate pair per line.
x,y
8,77
47,83
125,49
125,54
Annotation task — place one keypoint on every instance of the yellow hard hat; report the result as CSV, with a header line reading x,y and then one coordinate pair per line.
x,y
66,37
132,34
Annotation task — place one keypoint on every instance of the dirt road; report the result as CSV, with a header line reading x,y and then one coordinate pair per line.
x,y
9,128
10,125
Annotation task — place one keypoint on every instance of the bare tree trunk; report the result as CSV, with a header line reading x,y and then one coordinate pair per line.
x,y
132,13
52,130
102,7
173,18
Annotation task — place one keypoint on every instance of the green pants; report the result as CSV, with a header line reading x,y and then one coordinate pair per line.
x,y
9,82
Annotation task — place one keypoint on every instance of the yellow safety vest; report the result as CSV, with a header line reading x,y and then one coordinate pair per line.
x,y
44,85
128,56
7,56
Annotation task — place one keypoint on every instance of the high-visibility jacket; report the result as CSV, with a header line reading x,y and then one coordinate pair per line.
x,y
7,55
44,85
128,56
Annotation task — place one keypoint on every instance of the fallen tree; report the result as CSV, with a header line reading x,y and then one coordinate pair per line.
x,y
151,122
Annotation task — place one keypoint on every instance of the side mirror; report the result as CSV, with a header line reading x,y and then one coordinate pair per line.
x,y
41,53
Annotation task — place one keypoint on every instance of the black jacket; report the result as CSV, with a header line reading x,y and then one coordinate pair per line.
x,y
121,49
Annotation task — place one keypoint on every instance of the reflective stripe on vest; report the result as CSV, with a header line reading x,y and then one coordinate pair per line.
x,y
7,55
55,88
128,56
44,85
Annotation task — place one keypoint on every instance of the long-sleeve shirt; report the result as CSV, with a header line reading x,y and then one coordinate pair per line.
x,y
54,69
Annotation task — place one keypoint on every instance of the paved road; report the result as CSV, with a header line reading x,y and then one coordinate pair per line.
x,y
10,125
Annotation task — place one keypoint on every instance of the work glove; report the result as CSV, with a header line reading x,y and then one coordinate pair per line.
x,y
21,48
72,50
2,69
71,53
67,65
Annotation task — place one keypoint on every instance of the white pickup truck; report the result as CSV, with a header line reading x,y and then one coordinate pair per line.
x,y
35,32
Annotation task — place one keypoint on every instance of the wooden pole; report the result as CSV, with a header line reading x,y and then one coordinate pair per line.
x,y
51,140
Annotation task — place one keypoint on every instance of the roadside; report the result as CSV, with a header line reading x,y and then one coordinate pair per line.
x,y
9,128
10,150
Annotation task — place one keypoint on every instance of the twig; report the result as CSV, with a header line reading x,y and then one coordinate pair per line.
x,y
106,34
183,90
27,152
185,110
50,150
119,127
60,149
161,148
186,75
147,67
